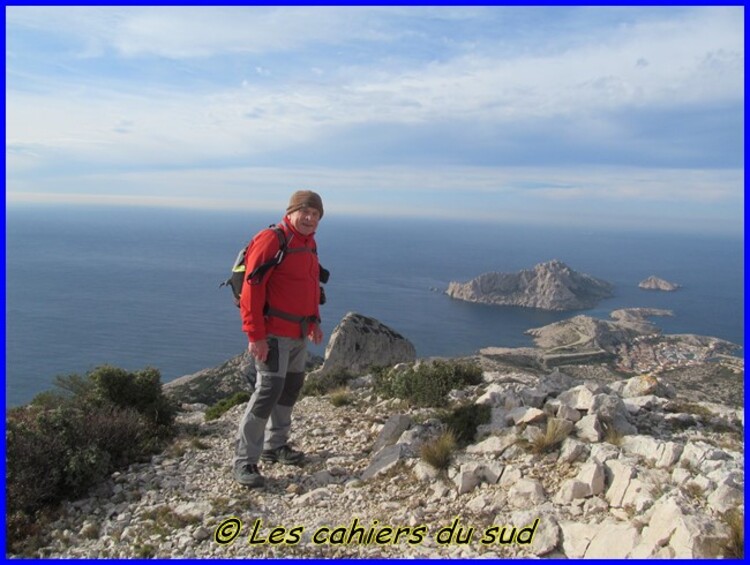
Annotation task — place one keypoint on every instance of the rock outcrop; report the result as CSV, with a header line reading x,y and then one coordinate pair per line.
x,y
628,340
584,332
210,385
655,283
359,343
629,472
548,286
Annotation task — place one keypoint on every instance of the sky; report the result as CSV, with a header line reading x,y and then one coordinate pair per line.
x,y
621,117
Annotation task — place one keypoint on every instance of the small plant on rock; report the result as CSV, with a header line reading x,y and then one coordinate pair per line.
x,y
735,545
555,434
612,435
439,451
341,397
464,420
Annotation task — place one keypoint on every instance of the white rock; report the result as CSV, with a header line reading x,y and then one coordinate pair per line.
x,y
546,534
493,445
686,535
525,492
570,490
592,475
565,412
524,415
576,537
620,474
726,498
468,478
579,397
589,429
492,396
424,471
612,541
572,450
511,475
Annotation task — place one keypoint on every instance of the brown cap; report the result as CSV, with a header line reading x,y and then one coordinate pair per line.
x,y
305,199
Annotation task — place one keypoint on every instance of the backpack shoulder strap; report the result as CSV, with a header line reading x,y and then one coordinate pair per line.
x,y
260,271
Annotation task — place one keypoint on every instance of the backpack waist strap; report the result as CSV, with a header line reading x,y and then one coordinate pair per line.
x,y
303,321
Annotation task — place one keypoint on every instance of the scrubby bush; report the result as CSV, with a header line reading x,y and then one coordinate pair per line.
x,y
427,384
66,441
325,383
464,420
223,405
140,390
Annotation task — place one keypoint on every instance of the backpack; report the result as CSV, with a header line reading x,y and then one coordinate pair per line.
x,y
237,278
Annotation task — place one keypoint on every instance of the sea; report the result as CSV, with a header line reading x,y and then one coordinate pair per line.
x,y
139,287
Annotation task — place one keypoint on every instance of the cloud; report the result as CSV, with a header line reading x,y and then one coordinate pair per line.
x,y
533,107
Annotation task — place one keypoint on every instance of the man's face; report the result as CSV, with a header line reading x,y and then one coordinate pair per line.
x,y
305,220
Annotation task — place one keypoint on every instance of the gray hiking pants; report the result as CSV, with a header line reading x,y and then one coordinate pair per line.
x,y
267,421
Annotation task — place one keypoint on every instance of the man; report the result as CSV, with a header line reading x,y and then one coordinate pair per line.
x,y
279,310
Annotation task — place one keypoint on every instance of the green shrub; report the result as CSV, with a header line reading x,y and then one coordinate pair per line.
x,y
325,383
140,390
439,451
427,384
464,420
64,442
223,405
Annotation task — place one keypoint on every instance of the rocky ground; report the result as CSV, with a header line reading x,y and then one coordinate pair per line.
x,y
645,470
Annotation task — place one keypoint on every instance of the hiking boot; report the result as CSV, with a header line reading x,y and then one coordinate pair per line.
x,y
284,455
249,476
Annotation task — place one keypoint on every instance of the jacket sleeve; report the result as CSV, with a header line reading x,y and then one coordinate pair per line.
x,y
253,297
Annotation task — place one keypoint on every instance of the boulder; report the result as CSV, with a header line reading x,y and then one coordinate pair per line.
x,y
392,430
359,343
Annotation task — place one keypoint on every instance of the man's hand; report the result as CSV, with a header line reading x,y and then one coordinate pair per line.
x,y
259,350
315,335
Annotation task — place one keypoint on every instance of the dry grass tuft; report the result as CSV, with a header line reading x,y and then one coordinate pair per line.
x,y
556,433
439,451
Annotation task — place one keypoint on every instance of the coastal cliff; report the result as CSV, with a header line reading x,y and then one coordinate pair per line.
x,y
549,286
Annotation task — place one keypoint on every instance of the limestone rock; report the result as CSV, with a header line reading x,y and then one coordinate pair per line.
x,y
612,540
359,343
384,460
392,430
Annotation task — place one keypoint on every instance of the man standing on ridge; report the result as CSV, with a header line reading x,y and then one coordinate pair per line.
x,y
280,310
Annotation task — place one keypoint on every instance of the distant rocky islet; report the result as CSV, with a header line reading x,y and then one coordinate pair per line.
x,y
656,283
548,286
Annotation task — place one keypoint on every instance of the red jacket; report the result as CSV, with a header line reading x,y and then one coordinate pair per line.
x,y
291,287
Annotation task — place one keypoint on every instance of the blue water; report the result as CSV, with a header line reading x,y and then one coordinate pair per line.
x,y
138,287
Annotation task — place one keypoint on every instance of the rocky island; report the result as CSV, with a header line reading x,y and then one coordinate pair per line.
x,y
655,283
549,286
